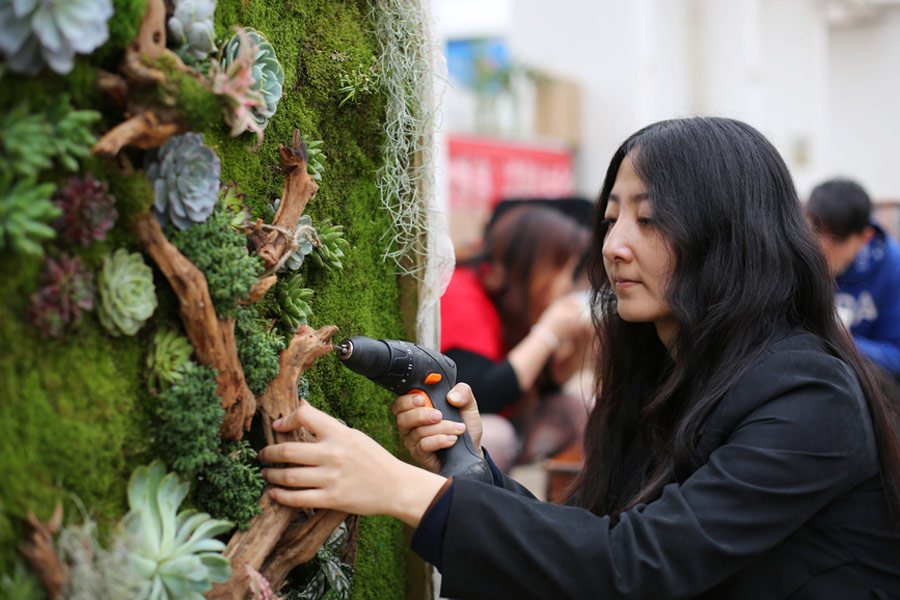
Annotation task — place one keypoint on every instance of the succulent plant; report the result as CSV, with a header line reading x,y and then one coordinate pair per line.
x,y
127,295
267,73
25,211
315,159
307,239
26,141
332,580
38,32
95,572
66,289
235,205
21,584
185,179
293,300
331,245
176,552
72,137
191,27
168,355
87,210
235,82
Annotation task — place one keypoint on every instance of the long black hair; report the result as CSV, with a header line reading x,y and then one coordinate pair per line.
x,y
746,267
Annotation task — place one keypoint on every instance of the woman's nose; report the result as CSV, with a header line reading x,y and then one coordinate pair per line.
x,y
616,246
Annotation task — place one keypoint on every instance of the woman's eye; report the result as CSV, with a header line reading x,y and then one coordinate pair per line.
x,y
646,221
608,222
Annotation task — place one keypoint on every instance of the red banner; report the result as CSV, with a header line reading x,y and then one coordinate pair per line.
x,y
484,171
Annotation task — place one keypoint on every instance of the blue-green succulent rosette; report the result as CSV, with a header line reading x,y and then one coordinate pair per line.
x,y
267,71
35,33
185,180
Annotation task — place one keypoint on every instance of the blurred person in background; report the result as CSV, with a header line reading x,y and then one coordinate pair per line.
x,y
517,332
865,262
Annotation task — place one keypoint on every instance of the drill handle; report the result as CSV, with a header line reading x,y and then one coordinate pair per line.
x,y
461,459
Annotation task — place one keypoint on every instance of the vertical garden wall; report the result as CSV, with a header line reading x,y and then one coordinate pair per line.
x,y
137,170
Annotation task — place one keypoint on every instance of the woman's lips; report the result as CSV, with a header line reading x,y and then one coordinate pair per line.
x,y
624,284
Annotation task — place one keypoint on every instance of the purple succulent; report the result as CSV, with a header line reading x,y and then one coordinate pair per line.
x,y
66,289
88,210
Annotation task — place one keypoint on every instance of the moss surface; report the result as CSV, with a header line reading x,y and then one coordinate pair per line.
x,y
74,415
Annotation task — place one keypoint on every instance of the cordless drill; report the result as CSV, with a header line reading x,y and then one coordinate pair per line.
x,y
406,368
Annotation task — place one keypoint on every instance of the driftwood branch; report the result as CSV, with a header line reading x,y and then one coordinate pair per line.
x,y
146,130
274,244
38,550
212,337
280,538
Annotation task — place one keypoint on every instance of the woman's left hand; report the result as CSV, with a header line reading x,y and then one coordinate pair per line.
x,y
344,469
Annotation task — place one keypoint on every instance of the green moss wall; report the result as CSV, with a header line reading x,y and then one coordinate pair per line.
x,y
74,411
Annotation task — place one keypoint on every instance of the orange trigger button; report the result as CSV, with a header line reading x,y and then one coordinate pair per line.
x,y
432,378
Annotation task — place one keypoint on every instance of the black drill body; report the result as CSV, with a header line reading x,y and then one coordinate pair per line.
x,y
404,367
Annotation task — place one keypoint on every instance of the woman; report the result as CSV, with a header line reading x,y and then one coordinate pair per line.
x,y
516,333
738,447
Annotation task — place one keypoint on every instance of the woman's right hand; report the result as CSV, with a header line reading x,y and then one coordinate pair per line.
x,y
424,431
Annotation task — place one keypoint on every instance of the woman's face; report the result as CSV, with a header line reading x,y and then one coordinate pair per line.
x,y
637,259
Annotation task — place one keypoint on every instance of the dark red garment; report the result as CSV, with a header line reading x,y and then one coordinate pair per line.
x,y
469,320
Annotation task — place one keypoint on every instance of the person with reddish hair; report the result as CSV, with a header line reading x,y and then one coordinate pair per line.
x,y
517,329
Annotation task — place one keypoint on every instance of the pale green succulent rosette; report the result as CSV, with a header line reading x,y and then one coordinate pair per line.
x,y
267,72
191,25
127,295
175,551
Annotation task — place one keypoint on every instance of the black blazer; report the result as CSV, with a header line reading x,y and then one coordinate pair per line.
x,y
786,501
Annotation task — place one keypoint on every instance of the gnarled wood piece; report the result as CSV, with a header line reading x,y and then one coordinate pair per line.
x,y
149,43
273,244
259,289
149,129
212,338
281,537
41,555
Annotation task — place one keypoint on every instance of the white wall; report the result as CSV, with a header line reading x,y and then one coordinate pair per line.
x,y
828,96
863,139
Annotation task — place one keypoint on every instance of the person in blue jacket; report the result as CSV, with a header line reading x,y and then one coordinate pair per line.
x,y
866,264
739,446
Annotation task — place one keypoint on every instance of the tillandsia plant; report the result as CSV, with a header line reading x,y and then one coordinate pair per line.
x,y
191,27
235,81
67,288
88,211
176,552
25,211
331,245
267,73
293,300
315,159
307,239
127,295
38,32
185,180
235,206
169,353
